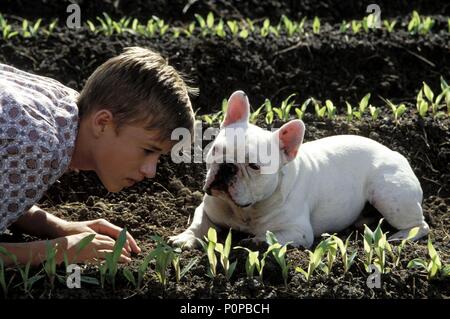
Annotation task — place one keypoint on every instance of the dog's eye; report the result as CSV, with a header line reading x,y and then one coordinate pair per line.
x,y
254,166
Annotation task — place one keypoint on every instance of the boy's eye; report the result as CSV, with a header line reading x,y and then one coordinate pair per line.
x,y
147,151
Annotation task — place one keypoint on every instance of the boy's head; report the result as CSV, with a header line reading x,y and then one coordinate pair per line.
x,y
129,106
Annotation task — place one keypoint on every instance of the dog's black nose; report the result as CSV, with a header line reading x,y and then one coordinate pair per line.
x,y
223,177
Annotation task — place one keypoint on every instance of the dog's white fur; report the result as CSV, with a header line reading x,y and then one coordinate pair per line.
x,y
321,188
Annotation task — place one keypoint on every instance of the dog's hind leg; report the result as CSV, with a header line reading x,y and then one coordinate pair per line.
x,y
397,195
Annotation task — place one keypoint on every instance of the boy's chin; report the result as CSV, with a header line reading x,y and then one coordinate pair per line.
x,y
113,188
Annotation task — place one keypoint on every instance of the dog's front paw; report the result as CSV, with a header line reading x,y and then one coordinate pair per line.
x,y
185,240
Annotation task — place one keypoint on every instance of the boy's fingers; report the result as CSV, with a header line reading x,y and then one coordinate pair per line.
x,y
122,258
106,228
106,242
133,244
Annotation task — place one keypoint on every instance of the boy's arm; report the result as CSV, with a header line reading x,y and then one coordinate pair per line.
x,y
39,223
30,252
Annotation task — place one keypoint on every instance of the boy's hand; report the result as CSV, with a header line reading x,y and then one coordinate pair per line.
x,y
102,227
96,249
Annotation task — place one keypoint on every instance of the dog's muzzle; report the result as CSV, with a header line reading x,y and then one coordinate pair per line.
x,y
223,177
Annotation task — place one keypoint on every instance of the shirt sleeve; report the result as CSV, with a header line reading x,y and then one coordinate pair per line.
x,y
37,134
27,172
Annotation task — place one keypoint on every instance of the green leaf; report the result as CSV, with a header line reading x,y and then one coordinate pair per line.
x,y
227,246
129,276
90,280
200,20
212,235
231,270
400,110
210,20
428,92
364,102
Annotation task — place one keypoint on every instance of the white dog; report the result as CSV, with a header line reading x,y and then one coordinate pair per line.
x,y
316,187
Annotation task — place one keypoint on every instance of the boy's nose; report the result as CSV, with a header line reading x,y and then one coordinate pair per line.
x,y
149,169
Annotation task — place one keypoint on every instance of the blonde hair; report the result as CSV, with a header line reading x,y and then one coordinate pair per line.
x,y
139,86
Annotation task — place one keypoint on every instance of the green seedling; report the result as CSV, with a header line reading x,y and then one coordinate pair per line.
x,y
375,247
6,29
389,25
50,264
210,119
141,272
347,260
161,25
189,30
112,260
315,260
27,282
284,110
3,282
362,106
107,25
290,26
51,27
316,25
206,25
269,111
344,26
233,26
433,267
210,248
396,257
30,30
224,252
420,25
434,103
331,109
374,112
279,253
265,29
254,115
320,111
356,26
164,255
421,105
220,29
244,34
254,262
179,273
397,110
301,111
349,112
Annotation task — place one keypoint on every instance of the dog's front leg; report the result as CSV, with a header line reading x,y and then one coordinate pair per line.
x,y
199,228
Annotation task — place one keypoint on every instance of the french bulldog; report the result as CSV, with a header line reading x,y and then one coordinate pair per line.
x,y
310,189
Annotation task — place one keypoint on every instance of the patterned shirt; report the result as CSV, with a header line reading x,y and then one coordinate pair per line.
x,y
38,128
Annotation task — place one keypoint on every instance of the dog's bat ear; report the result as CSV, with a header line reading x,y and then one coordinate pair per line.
x,y
238,109
290,137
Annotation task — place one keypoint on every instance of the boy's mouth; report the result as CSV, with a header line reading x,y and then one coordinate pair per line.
x,y
130,181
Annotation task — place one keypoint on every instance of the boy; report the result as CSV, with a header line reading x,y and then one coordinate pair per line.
x,y
118,126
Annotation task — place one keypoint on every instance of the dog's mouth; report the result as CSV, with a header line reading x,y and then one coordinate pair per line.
x,y
222,178
219,187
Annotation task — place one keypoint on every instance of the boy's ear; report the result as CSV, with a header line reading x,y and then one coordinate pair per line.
x,y
100,119
290,137
238,109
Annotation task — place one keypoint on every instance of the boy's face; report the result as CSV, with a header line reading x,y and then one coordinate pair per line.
x,y
123,159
